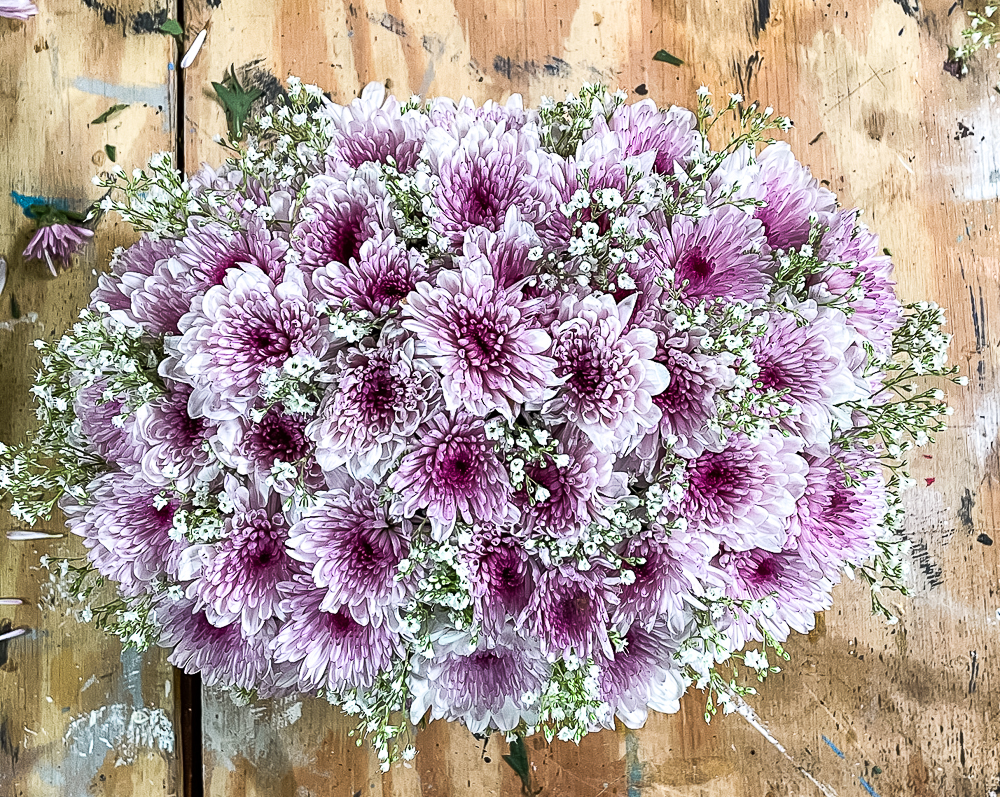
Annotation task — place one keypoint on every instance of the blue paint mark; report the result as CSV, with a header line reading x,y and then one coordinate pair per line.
x,y
633,767
170,67
24,201
868,788
833,747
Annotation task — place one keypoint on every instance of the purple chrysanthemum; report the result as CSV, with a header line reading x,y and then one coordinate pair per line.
x,y
744,493
238,329
129,270
506,249
484,339
688,402
807,360
254,447
836,523
580,481
158,301
569,611
797,592
500,576
209,250
381,394
55,244
223,656
485,172
239,579
172,443
643,676
126,527
331,650
855,254
340,214
373,129
96,407
717,256
486,688
791,195
377,281
642,127
607,370
353,550
453,472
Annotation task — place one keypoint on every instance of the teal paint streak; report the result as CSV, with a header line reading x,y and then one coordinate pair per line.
x,y
868,788
633,766
833,747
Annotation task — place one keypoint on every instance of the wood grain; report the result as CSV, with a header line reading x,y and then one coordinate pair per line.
x,y
64,686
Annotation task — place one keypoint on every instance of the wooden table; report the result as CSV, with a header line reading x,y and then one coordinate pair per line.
x,y
862,708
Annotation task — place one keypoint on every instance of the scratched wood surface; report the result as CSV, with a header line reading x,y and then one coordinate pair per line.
x,y
68,696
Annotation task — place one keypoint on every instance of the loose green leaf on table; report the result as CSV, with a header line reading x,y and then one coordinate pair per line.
x,y
236,101
172,28
667,58
114,110
111,151
518,761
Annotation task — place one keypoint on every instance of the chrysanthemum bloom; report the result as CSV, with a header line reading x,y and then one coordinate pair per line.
x,y
129,269
352,550
836,523
373,129
608,372
210,249
675,566
238,329
500,577
17,9
506,249
173,445
453,472
55,243
797,592
377,281
96,409
331,650
744,494
579,488
688,402
381,394
853,251
340,215
642,127
239,579
569,609
157,301
643,676
483,338
127,529
717,256
807,360
483,173
486,688
790,193
223,655
254,448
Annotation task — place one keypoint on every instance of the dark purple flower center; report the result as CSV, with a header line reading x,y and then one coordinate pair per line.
x,y
343,241
256,545
272,343
379,391
713,474
340,624
391,289
572,613
280,436
227,260
772,376
456,465
694,266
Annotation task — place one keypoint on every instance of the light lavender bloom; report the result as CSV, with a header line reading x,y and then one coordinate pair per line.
x,y
607,370
352,550
331,650
486,688
501,577
484,339
129,269
209,250
237,330
642,127
381,394
111,440
569,611
55,243
453,472
17,9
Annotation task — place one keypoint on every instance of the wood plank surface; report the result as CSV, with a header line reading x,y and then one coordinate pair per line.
x,y
70,702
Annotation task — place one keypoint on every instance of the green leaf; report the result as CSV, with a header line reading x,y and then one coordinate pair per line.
x,y
518,761
236,101
172,28
667,58
15,308
114,110
111,151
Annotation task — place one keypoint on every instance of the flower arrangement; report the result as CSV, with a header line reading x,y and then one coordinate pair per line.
x,y
526,419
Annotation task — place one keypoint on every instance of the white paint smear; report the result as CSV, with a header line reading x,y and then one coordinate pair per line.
x,y
122,729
